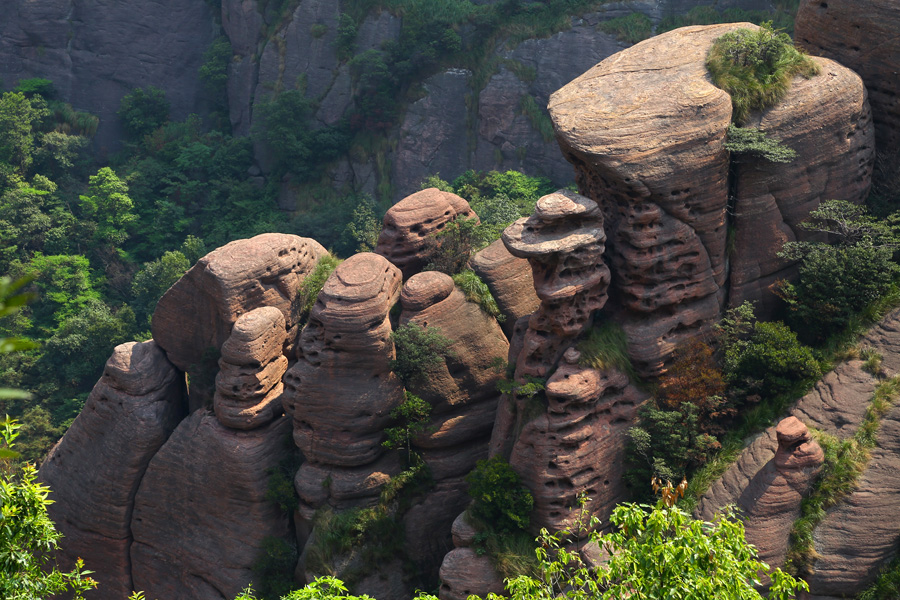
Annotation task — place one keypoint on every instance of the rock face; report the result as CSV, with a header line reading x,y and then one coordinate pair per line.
x,y
564,242
96,469
194,318
95,52
248,386
577,446
827,121
510,281
201,513
862,36
656,164
408,223
341,391
465,573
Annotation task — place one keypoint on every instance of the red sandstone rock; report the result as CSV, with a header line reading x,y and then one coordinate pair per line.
x,y
198,312
95,470
510,281
201,513
248,386
408,223
464,573
564,242
827,121
861,35
341,391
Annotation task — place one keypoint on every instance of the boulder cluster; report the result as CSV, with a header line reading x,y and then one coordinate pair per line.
x,y
164,483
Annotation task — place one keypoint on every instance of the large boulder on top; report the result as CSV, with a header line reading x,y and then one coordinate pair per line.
x,y
341,391
201,515
645,130
95,470
861,35
194,318
407,225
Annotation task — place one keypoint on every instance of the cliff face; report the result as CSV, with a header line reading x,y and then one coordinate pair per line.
x,y
96,52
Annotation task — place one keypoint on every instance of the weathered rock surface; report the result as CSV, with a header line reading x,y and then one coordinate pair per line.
x,y
465,573
564,243
248,386
194,318
95,470
510,281
827,121
578,445
201,515
95,52
408,223
861,35
341,391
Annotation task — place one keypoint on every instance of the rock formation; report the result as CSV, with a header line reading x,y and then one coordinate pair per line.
x,y
201,514
408,224
510,281
95,470
248,386
861,35
194,318
564,242
656,164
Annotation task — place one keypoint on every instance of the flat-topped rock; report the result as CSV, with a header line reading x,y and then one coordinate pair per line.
x,y
360,291
564,205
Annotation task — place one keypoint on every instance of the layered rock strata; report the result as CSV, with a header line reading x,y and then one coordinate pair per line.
x,y
249,386
861,35
341,391
407,225
195,316
95,470
825,119
510,281
564,242
577,446
201,514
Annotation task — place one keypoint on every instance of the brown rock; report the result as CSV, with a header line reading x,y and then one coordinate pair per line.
x,y
341,488
577,446
201,513
341,391
796,448
655,162
464,573
564,242
861,35
827,121
198,312
510,281
408,223
248,386
427,524
95,470
463,533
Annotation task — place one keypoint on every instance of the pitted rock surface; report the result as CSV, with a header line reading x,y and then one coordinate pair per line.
x,y
408,223
198,312
248,386
861,35
826,119
564,243
510,281
201,515
341,391
95,470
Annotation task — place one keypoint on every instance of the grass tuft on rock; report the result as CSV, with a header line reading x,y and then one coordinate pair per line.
x,y
478,292
756,68
606,347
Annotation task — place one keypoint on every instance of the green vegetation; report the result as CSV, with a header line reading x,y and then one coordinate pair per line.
x,y
605,346
412,415
752,141
452,246
886,586
478,292
419,350
756,67
630,29
782,17
313,284
500,501
538,118
143,111
845,461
